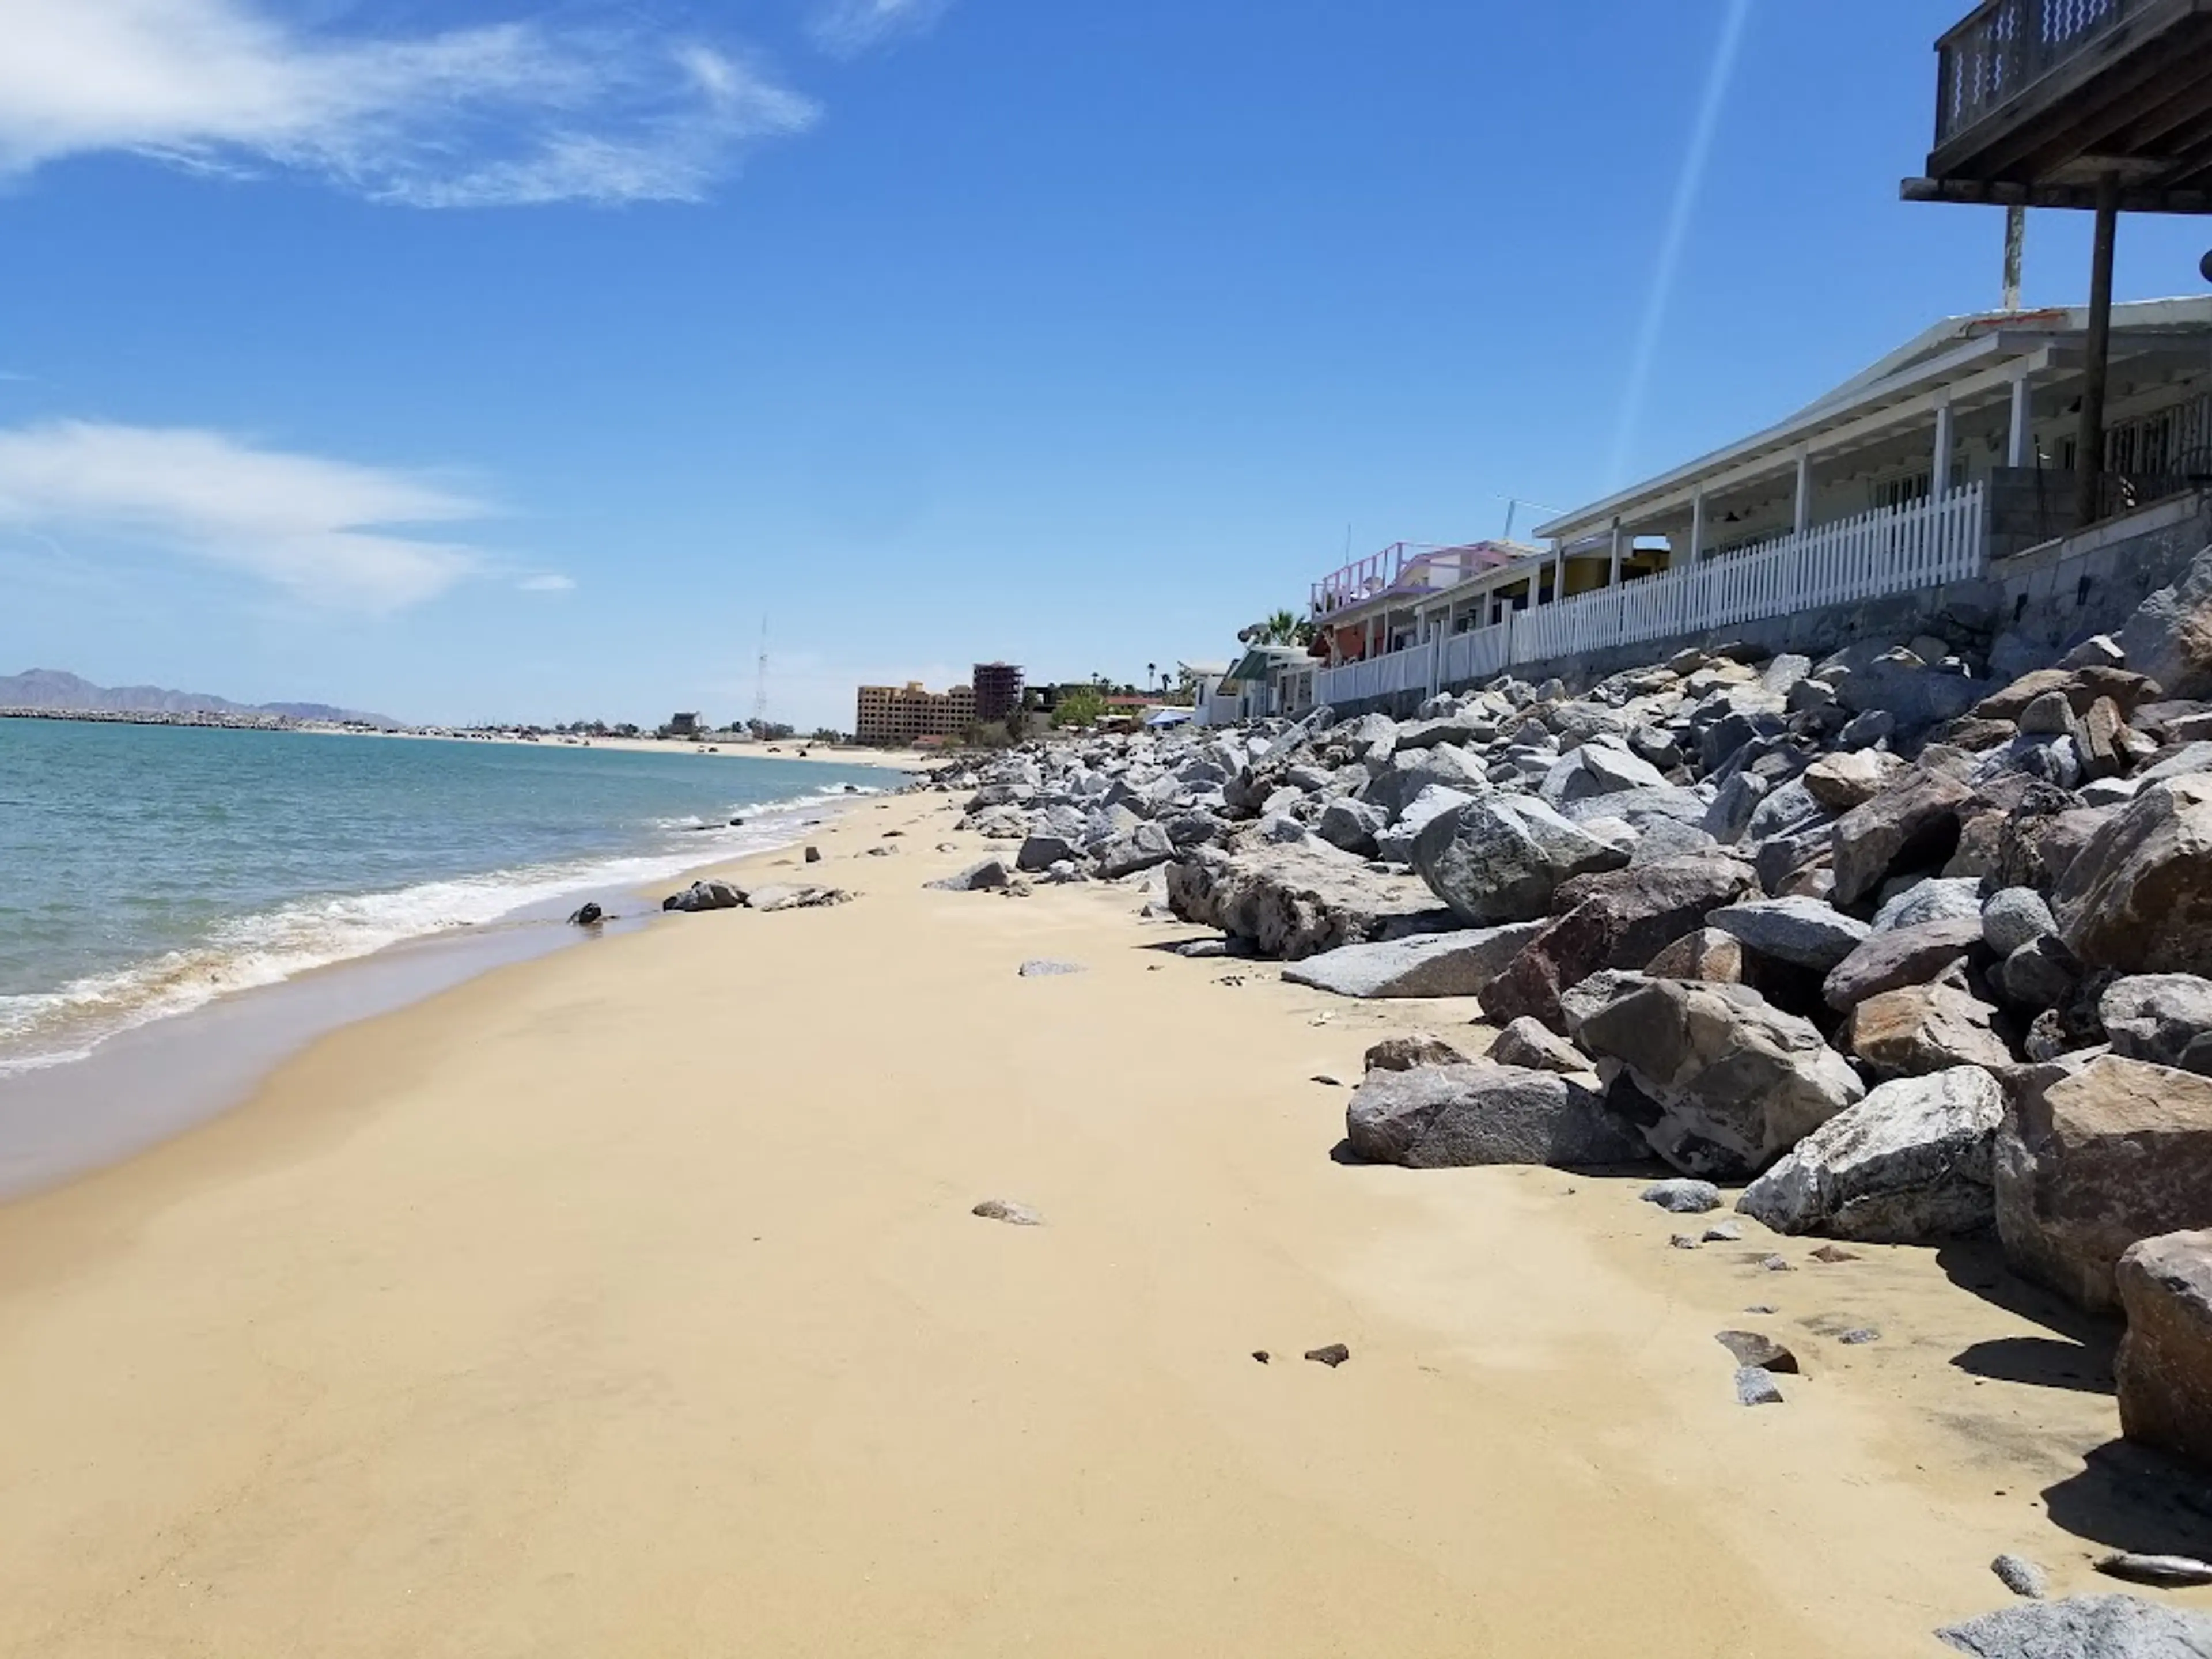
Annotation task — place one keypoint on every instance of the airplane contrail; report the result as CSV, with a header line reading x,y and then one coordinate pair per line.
x,y
1695,166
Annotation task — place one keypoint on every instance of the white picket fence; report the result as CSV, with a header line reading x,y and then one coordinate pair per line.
x,y
1892,551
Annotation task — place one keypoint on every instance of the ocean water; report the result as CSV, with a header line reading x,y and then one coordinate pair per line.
x,y
145,871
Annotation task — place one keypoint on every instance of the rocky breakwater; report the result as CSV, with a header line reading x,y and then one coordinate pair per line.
x,y
1914,953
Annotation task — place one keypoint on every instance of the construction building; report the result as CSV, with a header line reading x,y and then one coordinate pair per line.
x,y
895,714
999,690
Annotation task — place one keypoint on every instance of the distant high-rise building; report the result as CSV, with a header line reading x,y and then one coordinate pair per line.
x,y
908,714
999,690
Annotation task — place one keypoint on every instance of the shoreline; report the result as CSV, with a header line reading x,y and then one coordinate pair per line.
x,y
143,1084
624,1300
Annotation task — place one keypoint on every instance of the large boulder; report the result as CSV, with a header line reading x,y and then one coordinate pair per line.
x,y
2165,1019
1912,822
1501,859
1628,918
1801,932
2165,1366
1901,957
2170,636
2095,1158
1399,783
1458,964
1601,766
1919,1029
2084,1627
2138,898
1352,826
1911,1161
1297,901
1439,1117
1736,1082
1396,842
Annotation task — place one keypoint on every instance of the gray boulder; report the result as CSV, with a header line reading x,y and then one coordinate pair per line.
x,y
1802,931
1531,1044
1939,898
2169,637
1352,826
1295,901
2085,1627
2013,917
1599,767
1901,957
1910,1163
1503,858
2165,1019
1396,842
975,879
1458,964
1146,847
1406,776
2138,897
1439,1117
1912,822
703,896
1041,852
1736,1081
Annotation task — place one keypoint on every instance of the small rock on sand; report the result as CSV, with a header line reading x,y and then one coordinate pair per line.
x,y
1833,1254
1261,1355
1333,1356
1014,1215
1727,1233
1684,1197
1775,1264
1045,968
1860,1338
2021,1576
1755,1387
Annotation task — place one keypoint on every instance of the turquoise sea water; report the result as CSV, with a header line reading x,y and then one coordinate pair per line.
x,y
147,869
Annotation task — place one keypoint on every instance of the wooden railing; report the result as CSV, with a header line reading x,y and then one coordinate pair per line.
x,y
2006,47
1891,550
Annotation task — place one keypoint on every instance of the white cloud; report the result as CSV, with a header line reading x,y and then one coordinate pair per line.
x,y
547,583
846,28
329,532
514,113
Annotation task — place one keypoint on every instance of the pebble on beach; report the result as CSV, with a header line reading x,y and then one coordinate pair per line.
x,y
1014,1215
1333,1356
1756,1387
2021,1576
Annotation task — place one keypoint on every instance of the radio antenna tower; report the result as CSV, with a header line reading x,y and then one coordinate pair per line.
x,y
760,684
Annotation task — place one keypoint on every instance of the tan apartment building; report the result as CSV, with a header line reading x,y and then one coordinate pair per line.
x,y
907,713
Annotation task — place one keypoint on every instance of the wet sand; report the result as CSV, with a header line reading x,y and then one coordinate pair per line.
x,y
627,1302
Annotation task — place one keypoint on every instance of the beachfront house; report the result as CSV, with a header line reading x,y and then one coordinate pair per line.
x,y
1939,482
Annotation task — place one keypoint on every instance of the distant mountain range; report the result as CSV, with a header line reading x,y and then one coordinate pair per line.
x,y
54,690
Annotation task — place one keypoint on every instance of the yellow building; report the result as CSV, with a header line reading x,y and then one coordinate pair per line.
x,y
907,713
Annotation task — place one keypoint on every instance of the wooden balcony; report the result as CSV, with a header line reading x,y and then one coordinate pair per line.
x,y
2038,99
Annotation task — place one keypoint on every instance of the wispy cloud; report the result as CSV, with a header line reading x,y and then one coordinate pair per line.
x,y
513,114
846,28
548,582
329,532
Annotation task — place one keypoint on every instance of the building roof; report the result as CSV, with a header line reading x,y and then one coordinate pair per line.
x,y
1966,357
1263,661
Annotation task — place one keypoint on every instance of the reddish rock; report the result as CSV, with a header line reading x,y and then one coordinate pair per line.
x,y
2164,1367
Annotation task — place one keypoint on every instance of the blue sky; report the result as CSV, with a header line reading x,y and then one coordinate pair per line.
x,y
472,360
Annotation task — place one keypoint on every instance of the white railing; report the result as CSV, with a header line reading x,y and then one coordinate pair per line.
x,y
1891,550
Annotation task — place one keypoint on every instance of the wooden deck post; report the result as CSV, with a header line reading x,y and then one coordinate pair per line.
x,y
2089,443
2023,423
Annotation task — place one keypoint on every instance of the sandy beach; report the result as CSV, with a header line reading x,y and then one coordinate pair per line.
x,y
628,1302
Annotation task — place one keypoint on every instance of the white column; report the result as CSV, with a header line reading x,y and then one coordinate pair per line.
x,y
1559,572
1804,520
1697,526
2023,421
1940,474
1619,539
